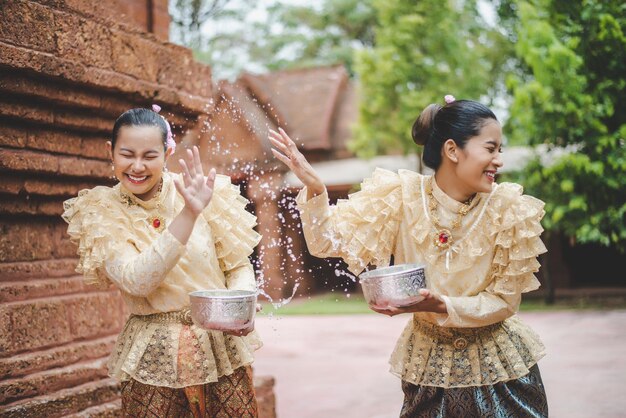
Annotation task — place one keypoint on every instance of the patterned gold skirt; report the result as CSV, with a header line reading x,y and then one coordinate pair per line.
x,y
232,396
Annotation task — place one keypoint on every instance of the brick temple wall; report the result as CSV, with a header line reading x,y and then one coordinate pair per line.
x,y
68,68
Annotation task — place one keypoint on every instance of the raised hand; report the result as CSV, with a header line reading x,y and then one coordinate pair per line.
x,y
287,152
195,188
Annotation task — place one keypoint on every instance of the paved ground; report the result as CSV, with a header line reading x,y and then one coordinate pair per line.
x,y
336,366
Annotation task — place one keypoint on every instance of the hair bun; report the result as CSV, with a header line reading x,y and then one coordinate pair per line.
x,y
423,126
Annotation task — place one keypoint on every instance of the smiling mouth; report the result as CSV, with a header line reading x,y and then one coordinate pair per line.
x,y
491,175
137,179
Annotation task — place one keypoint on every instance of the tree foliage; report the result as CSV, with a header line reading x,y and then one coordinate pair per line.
x,y
423,50
572,94
289,36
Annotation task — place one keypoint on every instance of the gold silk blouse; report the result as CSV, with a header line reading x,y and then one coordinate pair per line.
x,y
118,243
481,278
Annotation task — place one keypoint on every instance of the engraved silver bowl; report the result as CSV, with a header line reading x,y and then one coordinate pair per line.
x,y
393,286
223,310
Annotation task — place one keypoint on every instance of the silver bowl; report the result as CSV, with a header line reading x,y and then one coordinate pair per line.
x,y
393,286
223,310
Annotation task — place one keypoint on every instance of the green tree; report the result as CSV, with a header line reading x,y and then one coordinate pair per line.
x,y
189,16
572,94
323,35
423,50
222,33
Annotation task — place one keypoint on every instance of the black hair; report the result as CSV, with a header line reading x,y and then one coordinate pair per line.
x,y
139,117
459,121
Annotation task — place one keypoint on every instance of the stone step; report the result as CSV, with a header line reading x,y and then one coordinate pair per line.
x,y
55,321
64,402
107,410
101,400
74,352
40,383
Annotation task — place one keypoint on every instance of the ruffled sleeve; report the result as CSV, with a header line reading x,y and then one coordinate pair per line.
x,y
233,231
516,228
361,229
518,242
106,248
91,225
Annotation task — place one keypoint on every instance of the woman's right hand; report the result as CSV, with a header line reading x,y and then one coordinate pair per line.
x,y
195,188
287,152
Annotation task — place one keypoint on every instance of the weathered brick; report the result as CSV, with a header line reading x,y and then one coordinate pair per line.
x,y
51,380
82,167
26,240
58,92
64,248
114,105
95,314
133,55
31,289
26,112
13,137
25,59
107,410
72,71
66,401
160,5
161,24
30,205
41,162
25,160
27,24
56,187
133,13
33,325
200,83
54,141
83,120
37,269
80,351
124,15
264,390
11,185
95,147
173,62
83,40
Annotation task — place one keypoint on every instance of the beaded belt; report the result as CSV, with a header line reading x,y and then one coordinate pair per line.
x,y
183,317
459,338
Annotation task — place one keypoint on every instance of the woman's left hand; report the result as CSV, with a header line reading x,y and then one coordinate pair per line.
x,y
242,332
246,330
430,303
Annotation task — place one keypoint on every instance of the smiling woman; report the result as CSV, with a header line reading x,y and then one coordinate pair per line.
x,y
139,158
463,352
157,237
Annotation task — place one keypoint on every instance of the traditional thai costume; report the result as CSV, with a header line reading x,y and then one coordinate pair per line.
x,y
479,359
124,240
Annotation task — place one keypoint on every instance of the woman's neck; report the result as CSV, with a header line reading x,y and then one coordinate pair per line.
x,y
450,185
151,193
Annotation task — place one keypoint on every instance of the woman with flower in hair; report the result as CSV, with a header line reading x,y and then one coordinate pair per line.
x,y
158,236
464,352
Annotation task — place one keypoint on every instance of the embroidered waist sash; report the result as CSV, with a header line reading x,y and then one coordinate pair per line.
x,y
430,355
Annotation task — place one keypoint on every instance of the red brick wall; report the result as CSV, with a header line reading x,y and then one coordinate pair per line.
x,y
67,70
